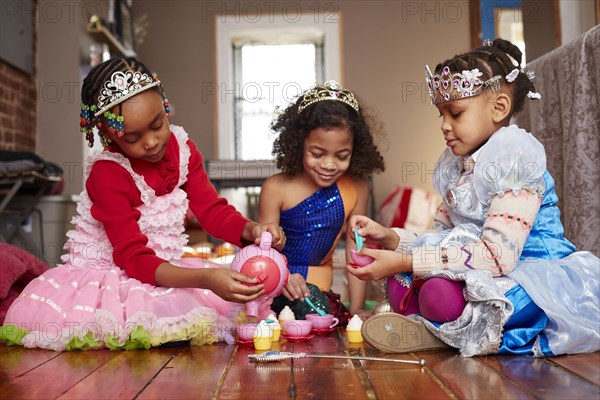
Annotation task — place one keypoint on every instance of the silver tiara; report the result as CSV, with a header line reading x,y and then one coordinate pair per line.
x,y
447,86
121,86
330,90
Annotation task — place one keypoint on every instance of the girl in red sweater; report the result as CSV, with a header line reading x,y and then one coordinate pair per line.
x,y
123,283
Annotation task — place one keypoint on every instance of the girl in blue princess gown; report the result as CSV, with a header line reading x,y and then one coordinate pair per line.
x,y
496,275
325,150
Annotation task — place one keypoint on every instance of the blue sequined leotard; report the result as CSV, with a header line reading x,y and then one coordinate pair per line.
x,y
312,227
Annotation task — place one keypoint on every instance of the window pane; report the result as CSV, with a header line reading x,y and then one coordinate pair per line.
x,y
271,76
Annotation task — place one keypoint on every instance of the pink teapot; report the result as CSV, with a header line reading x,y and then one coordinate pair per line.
x,y
266,264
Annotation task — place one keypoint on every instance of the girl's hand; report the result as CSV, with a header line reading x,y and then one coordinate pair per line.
x,y
275,230
374,233
230,285
387,263
296,288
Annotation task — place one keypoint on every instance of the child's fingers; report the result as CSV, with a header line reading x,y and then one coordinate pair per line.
x,y
304,289
249,289
357,272
277,233
243,278
295,291
358,221
287,294
366,251
278,238
296,287
363,273
244,298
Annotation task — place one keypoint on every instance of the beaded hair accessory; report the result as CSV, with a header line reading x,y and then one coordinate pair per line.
x,y
120,87
447,86
330,90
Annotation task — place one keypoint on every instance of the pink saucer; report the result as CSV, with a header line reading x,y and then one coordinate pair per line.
x,y
321,331
244,342
297,339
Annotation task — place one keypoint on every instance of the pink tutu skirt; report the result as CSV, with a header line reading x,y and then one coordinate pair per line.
x,y
68,308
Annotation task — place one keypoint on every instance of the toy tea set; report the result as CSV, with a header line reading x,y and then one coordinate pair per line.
x,y
269,267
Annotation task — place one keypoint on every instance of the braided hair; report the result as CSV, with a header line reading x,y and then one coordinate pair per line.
x,y
499,58
92,86
294,128
94,81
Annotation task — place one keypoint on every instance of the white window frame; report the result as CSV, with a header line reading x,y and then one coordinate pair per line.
x,y
227,27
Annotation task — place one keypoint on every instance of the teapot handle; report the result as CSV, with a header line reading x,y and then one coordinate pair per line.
x,y
265,240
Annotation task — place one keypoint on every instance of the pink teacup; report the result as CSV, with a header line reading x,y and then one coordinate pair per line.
x,y
360,260
246,331
297,328
321,322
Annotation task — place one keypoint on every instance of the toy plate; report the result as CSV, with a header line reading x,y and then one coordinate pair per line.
x,y
297,339
324,330
244,342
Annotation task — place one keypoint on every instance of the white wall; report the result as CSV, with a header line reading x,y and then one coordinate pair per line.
x,y
385,47
576,17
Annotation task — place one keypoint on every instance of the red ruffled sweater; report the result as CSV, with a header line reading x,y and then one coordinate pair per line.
x,y
115,197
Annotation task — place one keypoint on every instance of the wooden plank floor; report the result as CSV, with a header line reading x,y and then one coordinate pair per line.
x,y
224,372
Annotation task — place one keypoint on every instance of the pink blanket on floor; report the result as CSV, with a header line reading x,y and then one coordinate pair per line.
x,y
17,269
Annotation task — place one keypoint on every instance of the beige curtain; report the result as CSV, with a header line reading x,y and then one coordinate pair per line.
x,y
567,122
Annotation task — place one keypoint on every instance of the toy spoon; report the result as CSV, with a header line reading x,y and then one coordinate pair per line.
x,y
359,239
278,356
318,310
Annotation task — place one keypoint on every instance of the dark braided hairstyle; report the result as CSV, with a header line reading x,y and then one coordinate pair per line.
x,y
294,127
491,60
94,83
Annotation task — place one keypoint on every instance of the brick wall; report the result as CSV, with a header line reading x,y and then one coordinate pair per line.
x,y
18,105
17,109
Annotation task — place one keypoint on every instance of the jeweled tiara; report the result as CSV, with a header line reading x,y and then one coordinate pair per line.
x,y
121,86
447,86
330,90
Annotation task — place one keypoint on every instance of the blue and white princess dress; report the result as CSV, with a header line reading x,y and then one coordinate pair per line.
x,y
549,304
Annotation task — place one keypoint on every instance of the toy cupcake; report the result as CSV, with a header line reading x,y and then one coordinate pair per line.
x,y
263,336
272,320
286,315
353,329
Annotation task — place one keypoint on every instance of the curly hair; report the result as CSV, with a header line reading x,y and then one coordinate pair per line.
x,y
492,60
294,128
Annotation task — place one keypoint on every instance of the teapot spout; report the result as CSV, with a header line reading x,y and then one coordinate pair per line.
x,y
252,308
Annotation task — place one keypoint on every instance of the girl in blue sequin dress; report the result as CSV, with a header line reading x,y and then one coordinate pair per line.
x,y
497,233
325,151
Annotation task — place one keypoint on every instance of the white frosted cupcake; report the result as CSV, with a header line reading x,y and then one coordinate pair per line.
x,y
263,336
271,319
353,329
286,315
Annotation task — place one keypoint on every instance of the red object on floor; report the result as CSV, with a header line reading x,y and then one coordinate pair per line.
x,y
18,269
